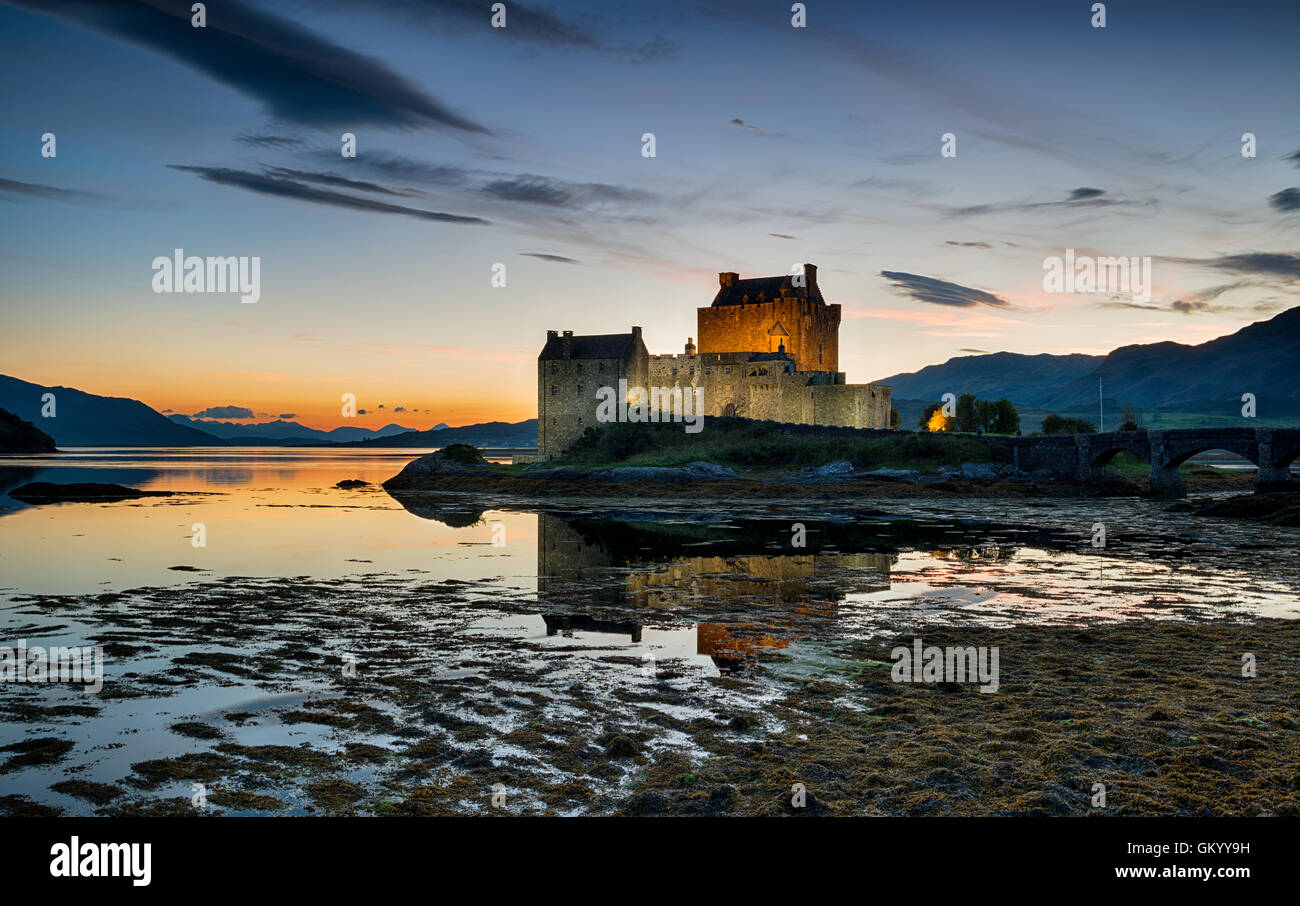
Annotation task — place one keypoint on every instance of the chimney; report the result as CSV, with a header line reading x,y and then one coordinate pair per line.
x,y
727,278
810,280
552,334
690,345
567,341
636,334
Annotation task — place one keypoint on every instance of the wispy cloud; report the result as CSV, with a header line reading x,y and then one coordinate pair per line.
x,y
299,76
269,184
524,21
557,259
940,292
224,412
53,193
1286,200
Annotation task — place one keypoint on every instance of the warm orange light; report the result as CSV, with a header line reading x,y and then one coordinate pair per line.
x,y
938,421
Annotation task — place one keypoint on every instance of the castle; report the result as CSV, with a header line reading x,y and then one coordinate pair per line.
x,y
769,349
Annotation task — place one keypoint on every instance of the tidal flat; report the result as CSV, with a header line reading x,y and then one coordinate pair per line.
x,y
345,654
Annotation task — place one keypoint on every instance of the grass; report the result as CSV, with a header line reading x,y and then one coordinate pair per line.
x,y
743,444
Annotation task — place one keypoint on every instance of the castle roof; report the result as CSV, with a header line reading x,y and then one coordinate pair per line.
x,y
591,346
753,290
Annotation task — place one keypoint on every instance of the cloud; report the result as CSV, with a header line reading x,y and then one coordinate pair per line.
x,y
1085,193
1295,156
267,184
544,190
362,412
558,259
342,182
268,141
782,236
287,415
741,124
1080,198
224,412
37,190
1267,264
299,76
1286,200
525,22
975,351
969,245
397,409
941,292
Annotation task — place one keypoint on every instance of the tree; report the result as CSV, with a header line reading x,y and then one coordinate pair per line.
x,y
894,417
1132,419
1005,419
1059,424
967,418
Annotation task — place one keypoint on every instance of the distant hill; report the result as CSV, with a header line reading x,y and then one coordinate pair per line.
x,y
1262,358
281,431
18,436
85,420
489,434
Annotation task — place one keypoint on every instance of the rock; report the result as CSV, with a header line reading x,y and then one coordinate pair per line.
x,y
841,467
349,483
648,804
431,465
710,470
622,747
724,798
87,492
883,474
979,471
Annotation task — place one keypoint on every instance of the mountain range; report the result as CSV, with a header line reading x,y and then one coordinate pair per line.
x,y
1173,383
1262,358
81,419
281,430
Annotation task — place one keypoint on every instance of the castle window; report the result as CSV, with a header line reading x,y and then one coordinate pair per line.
x,y
708,371
555,369
727,370
579,394
692,372
579,368
602,367
553,390
580,419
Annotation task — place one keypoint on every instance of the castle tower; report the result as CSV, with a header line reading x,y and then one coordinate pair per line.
x,y
762,314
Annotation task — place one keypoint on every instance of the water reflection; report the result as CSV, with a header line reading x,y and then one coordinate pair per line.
x,y
636,569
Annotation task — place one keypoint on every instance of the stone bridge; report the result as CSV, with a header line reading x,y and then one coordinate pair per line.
x,y
1083,456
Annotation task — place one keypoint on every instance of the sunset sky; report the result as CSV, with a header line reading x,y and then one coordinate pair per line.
x,y
522,146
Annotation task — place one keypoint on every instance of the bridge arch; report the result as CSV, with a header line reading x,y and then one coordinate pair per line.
x,y
1101,456
1183,452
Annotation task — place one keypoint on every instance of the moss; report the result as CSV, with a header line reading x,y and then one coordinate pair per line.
x,y
42,750
98,793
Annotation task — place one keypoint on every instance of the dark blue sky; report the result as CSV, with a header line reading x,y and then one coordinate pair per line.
x,y
522,146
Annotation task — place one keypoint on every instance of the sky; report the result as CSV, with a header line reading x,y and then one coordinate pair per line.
x,y
523,146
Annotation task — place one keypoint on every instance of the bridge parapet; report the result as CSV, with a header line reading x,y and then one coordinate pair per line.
x,y
1082,457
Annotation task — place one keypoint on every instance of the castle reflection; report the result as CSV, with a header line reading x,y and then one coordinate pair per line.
x,y
633,570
